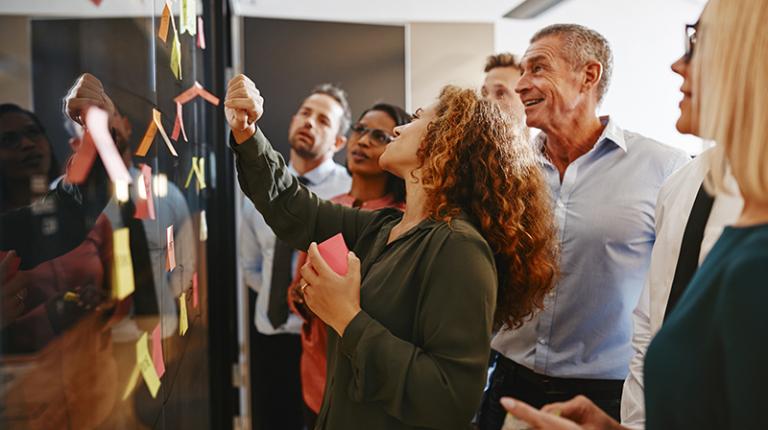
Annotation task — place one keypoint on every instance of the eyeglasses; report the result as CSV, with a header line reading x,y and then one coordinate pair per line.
x,y
690,41
379,137
12,139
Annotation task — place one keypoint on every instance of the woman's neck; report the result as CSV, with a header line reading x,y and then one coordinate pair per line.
x,y
366,188
415,202
754,213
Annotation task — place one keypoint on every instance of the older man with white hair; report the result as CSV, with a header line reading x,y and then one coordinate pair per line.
x,y
604,183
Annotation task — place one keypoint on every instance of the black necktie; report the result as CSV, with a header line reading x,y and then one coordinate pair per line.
x,y
282,275
688,260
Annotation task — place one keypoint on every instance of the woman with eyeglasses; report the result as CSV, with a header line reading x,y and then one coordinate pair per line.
x,y
411,321
706,367
372,188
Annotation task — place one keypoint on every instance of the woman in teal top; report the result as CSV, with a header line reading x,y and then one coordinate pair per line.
x,y
707,368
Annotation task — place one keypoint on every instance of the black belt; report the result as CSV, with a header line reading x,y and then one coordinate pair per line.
x,y
551,383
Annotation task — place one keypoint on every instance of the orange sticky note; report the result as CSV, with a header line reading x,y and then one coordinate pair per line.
x,y
146,366
334,251
145,204
162,32
194,91
97,128
183,320
149,136
194,290
157,351
122,266
200,33
170,257
178,125
81,162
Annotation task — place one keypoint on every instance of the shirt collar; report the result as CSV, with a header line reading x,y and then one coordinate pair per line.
x,y
612,133
319,174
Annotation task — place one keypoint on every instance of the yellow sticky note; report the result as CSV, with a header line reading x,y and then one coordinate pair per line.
x,y
198,171
122,266
157,119
146,366
176,56
183,321
132,380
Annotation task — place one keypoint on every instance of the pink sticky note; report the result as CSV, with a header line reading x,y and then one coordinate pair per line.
x,y
194,290
334,251
97,126
145,208
200,34
178,125
157,351
170,258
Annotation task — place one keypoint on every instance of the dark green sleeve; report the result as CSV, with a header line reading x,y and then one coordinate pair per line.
x,y
438,383
295,214
745,325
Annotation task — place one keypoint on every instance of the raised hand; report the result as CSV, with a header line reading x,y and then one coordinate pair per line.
x,y
87,91
243,106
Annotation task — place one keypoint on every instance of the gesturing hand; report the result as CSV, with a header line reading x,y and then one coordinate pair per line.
x,y
578,413
335,299
87,91
243,106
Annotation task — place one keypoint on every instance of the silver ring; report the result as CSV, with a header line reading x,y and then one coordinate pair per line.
x,y
303,287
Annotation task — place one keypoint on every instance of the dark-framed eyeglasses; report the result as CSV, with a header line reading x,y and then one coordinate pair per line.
x,y
12,139
378,137
690,40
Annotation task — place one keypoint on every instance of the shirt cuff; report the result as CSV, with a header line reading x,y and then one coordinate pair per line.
x,y
252,145
354,332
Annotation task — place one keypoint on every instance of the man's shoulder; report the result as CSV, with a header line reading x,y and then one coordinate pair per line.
x,y
640,143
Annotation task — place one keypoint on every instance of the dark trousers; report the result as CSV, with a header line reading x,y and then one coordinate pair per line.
x,y
513,380
276,401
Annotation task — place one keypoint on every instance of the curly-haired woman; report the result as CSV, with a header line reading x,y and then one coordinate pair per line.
x,y
411,320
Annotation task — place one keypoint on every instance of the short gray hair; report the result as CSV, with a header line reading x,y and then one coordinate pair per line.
x,y
583,44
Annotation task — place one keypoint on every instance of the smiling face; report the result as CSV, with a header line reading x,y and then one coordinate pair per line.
x,y
401,155
314,129
499,85
24,148
363,150
550,88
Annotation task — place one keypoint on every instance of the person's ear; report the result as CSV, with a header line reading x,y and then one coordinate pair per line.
x,y
593,72
340,142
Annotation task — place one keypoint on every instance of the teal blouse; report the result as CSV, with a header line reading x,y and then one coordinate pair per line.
x,y
707,368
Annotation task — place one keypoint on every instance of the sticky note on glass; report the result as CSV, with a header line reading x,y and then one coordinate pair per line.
x,y
146,366
97,129
122,266
203,227
183,321
200,33
81,162
149,136
145,204
132,380
198,171
176,56
194,290
188,17
178,125
165,20
334,251
170,257
196,90
157,351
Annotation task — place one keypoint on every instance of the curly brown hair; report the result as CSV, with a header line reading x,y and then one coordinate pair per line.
x,y
476,160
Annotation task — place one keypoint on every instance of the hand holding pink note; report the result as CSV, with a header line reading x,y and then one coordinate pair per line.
x,y
334,251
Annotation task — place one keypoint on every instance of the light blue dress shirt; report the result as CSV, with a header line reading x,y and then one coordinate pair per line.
x,y
604,210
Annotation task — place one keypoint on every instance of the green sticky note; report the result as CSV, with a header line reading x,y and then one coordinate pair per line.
x,y
176,56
